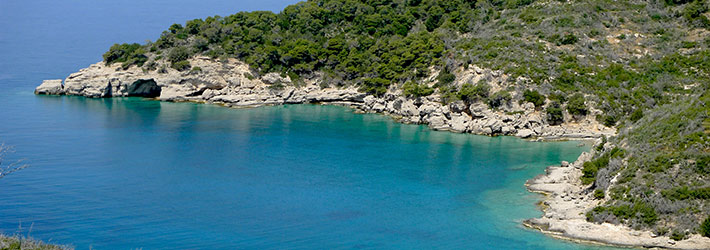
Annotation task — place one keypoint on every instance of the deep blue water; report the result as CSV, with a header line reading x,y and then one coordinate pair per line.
x,y
129,173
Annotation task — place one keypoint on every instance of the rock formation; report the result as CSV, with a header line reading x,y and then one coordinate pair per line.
x,y
232,83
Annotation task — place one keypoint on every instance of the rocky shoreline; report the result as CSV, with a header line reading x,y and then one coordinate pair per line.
x,y
232,83
567,201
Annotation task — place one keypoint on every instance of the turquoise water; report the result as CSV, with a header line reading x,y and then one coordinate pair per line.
x,y
131,173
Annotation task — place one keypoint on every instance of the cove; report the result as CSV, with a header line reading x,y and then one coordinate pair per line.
x,y
127,173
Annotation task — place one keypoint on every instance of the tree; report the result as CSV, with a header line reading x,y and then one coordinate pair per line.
x,y
178,54
12,167
416,90
554,113
470,93
576,106
534,97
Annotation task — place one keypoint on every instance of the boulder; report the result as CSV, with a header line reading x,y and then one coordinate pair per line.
x,y
275,78
457,106
479,110
524,133
50,87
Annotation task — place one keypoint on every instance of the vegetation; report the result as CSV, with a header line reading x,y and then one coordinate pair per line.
x,y
471,93
667,156
640,66
554,113
412,89
499,98
705,227
20,243
576,105
534,97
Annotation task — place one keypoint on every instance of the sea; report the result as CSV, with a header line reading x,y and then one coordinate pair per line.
x,y
132,173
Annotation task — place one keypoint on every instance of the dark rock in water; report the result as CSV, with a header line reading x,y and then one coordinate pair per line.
x,y
144,88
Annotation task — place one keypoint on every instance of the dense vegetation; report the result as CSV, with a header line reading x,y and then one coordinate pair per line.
x,y
640,66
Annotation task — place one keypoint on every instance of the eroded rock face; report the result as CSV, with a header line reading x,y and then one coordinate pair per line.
x,y
50,87
143,88
231,83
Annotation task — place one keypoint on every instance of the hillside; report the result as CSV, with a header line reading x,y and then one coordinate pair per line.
x,y
643,67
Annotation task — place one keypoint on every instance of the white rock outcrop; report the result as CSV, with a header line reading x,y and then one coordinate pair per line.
x,y
231,82
50,87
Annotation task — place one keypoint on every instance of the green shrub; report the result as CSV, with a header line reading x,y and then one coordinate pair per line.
x,y
471,93
704,229
599,194
684,193
694,13
445,77
376,86
412,89
702,164
636,115
499,98
178,54
534,97
677,235
576,106
591,168
181,65
609,120
554,113
568,39
128,54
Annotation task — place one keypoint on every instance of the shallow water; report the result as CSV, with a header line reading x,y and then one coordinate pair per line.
x,y
127,173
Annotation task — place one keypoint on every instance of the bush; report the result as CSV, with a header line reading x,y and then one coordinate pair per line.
x,y
445,77
499,98
609,120
178,54
470,93
376,86
181,65
534,97
677,235
599,194
591,168
412,89
568,39
694,13
554,113
636,115
128,54
704,229
576,106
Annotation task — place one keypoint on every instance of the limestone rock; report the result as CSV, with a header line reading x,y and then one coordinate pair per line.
x,y
524,133
50,87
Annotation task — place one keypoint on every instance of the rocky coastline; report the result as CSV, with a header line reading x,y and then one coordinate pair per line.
x,y
232,83
565,206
